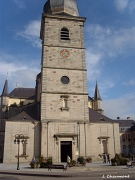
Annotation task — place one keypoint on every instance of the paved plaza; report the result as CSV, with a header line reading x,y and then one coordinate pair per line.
x,y
91,169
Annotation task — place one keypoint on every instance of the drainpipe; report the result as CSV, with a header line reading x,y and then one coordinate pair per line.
x,y
78,138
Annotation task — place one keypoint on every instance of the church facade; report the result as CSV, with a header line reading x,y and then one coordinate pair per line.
x,y
54,118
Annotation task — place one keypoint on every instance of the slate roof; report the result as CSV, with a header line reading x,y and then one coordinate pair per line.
x,y
29,113
61,6
5,89
22,92
125,123
132,128
39,75
96,117
89,98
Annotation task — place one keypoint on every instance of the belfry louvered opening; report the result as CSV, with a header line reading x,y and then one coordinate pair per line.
x,y
64,34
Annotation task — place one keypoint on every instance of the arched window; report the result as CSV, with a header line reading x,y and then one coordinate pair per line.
x,y
64,34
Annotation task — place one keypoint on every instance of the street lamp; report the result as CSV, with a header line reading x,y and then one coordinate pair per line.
x,y
19,138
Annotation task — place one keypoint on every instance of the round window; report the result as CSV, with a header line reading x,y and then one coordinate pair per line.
x,y
64,79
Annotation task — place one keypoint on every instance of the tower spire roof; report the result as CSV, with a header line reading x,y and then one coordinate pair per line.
x,y
61,6
97,93
5,89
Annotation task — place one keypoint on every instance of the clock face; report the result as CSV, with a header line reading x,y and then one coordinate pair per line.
x,y
64,53
64,79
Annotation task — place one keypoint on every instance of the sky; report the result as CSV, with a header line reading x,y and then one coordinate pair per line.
x,y
109,41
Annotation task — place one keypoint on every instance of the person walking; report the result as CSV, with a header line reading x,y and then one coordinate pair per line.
x,y
68,161
108,158
104,158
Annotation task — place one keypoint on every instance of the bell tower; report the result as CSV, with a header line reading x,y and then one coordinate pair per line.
x,y
97,101
4,101
64,96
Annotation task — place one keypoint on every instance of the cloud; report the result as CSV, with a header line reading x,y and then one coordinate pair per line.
x,y
121,5
23,75
10,66
106,84
106,43
31,33
23,78
131,82
122,107
110,41
132,6
92,63
19,3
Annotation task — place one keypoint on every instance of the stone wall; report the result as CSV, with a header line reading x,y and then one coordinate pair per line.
x,y
104,131
54,66
56,132
31,132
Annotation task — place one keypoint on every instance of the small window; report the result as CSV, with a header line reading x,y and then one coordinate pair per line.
x,y
64,103
24,118
64,99
102,120
64,34
65,80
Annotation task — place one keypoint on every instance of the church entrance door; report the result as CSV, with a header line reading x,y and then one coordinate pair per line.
x,y
66,149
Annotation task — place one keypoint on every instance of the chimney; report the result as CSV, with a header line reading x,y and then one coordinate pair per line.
x,y
118,117
128,118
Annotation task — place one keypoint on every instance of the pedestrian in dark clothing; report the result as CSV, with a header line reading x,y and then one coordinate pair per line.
x,y
108,158
104,158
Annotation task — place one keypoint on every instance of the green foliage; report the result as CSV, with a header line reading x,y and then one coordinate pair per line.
x,y
49,161
113,160
41,159
88,159
73,163
44,162
119,160
80,159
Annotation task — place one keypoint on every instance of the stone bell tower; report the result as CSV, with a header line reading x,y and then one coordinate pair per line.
x,y
64,97
4,101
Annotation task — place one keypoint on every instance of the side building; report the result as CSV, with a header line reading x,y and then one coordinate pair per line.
x,y
127,136
11,105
